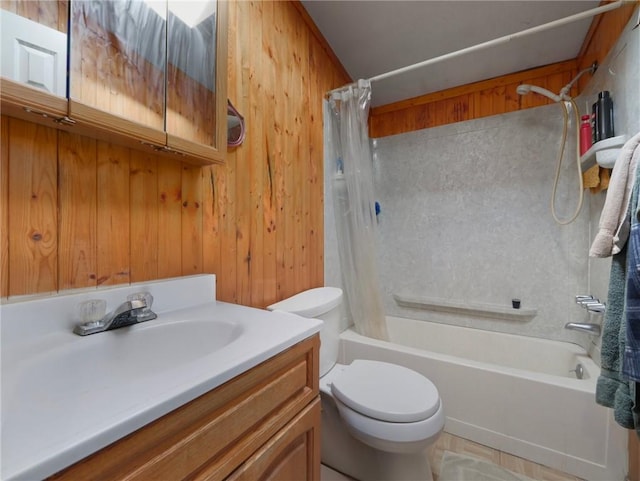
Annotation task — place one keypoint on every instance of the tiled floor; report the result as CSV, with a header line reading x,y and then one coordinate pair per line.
x,y
448,442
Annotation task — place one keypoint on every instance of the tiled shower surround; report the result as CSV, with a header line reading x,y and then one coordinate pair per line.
x,y
466,218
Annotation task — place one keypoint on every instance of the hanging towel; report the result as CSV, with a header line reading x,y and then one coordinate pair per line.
x,y
631,330
614,225
614,388
631,358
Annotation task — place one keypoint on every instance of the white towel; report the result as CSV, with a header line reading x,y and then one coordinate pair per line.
x,y
613,229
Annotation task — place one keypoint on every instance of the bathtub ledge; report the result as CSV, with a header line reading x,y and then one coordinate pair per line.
x,y
465,308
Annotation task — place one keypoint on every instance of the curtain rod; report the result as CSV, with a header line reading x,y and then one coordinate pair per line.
x,y
501,40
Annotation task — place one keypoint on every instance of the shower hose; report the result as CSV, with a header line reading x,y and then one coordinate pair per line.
x,y
565,129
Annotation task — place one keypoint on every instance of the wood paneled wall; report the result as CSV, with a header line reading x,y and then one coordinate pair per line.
x,y
76,212
498,95
467,102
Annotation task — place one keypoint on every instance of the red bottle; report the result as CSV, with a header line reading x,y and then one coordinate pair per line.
x,y
585,134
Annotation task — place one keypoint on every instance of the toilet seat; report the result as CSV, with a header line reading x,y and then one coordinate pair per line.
x,y
393,437
386,392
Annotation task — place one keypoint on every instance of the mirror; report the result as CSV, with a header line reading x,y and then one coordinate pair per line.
x,y
34,44
235,126
118,52
191,70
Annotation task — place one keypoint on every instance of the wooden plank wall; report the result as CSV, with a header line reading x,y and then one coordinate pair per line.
x,y
76,212
467,102
498,95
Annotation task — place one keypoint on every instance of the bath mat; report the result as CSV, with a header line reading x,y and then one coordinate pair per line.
x,y
458,467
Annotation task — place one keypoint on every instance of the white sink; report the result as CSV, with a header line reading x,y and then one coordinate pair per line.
x,y
107,359
66,396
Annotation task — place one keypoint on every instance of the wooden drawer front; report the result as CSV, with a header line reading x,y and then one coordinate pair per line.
x,y
292,454
215,432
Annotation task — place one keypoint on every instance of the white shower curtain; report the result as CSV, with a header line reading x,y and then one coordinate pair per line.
x,y
347,147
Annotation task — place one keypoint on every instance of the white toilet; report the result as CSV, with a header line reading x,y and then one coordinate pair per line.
x,y
377,418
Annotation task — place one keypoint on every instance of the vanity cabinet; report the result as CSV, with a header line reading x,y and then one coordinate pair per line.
x,y
263,424
148,74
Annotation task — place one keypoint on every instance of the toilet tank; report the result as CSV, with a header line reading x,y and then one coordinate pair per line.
x,y
320,303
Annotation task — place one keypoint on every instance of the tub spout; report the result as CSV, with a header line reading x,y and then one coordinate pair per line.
x,y
593,329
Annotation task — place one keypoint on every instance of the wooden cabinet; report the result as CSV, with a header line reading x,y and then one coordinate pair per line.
x,y
142,73
289,455
263,424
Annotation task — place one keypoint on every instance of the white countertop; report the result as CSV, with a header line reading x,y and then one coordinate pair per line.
x,y
57,407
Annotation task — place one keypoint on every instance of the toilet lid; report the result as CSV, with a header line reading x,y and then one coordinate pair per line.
x,y
386,392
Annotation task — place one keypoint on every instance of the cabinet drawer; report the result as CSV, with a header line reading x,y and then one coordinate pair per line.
x,y
293,453
216,432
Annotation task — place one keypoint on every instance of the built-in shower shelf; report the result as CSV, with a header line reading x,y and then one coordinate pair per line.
x,y
604,153
465,308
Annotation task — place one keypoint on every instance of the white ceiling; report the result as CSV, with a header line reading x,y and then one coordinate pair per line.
x,y
374,37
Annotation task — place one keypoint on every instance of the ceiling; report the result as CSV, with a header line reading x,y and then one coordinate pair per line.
x,y
374,37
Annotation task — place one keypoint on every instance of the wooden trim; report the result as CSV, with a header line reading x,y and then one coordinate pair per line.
x,y
205,154
117,125
4,206
504,80
221,81
315,31
16,95
634,456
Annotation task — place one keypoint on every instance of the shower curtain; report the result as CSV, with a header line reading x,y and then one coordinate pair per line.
x,y
347,147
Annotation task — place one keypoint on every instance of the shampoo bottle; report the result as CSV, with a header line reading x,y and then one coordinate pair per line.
x,y
585,134
604,118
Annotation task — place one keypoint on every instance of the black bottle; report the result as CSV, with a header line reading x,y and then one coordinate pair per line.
x,y
604,117
594,123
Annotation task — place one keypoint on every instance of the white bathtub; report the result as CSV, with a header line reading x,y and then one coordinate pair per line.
x,y
513,393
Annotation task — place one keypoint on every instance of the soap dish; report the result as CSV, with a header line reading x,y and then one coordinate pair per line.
x,y
604,153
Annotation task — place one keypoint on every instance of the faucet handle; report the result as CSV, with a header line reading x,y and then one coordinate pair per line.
x,y
92,310
145,312
599,307
581,299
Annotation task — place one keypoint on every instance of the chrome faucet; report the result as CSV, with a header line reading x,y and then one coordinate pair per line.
x,y
593,329
591,304
130,312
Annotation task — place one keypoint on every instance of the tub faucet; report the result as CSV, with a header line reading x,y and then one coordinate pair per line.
x,y
593,329
126,314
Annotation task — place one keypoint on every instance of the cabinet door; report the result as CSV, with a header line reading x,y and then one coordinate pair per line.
x,y
117,66
34,44
33,59
293,453
196,78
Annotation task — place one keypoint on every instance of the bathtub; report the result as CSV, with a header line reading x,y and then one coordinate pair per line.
x,y
512,393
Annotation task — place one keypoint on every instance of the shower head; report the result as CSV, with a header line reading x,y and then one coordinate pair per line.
x,y
524,89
